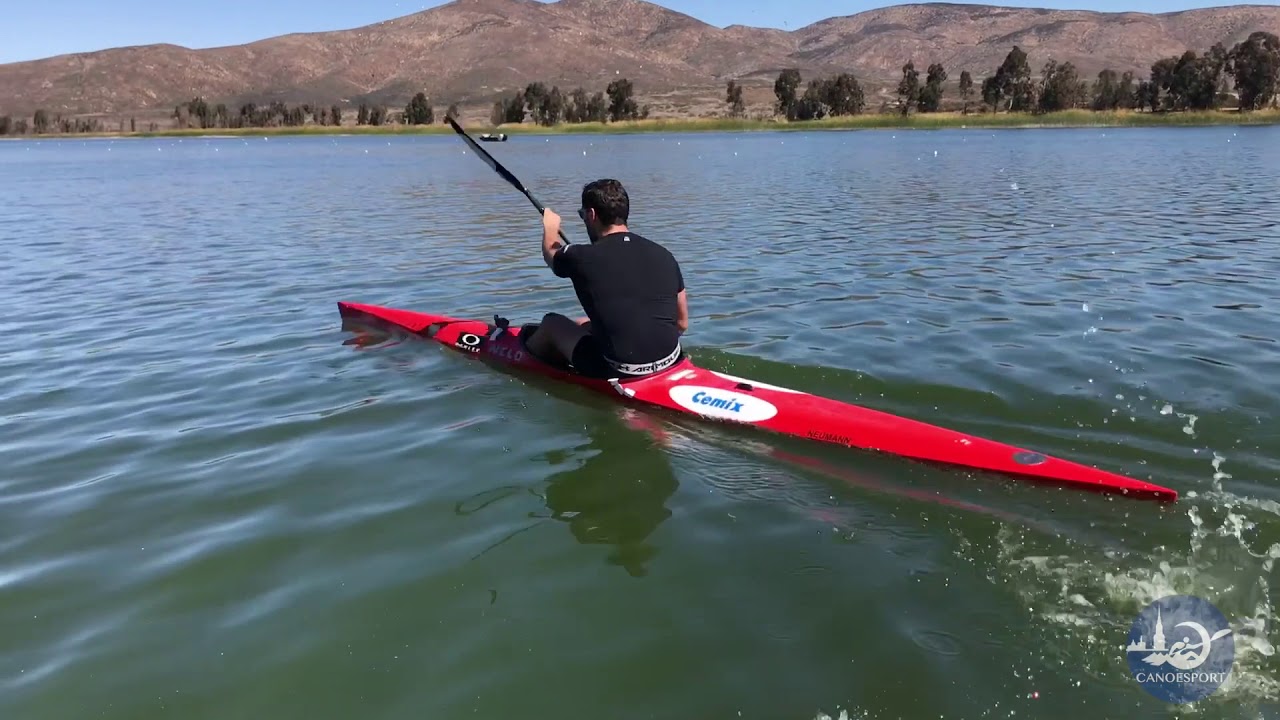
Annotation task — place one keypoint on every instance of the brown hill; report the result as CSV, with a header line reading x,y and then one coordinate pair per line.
x,y
468,51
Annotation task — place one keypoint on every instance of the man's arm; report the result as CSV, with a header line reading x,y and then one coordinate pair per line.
x,y
682,302
550,237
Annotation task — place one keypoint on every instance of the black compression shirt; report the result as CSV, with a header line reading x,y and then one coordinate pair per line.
x,y
627,285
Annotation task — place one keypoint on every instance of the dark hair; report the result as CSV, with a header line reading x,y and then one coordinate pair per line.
x,y
609,199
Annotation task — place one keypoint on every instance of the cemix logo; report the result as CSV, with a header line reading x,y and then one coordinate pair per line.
x,y
723,404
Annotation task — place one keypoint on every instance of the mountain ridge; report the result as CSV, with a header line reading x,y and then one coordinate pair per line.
x,y
470,51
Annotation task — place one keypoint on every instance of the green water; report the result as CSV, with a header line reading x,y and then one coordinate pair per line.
x,y
216,505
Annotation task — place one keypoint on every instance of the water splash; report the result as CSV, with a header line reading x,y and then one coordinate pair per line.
x,y
1089,609
1190,427
844,715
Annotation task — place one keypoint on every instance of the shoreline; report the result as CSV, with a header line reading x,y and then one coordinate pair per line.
x,y
931,121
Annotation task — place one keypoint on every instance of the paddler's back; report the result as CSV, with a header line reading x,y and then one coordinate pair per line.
x,y
629,287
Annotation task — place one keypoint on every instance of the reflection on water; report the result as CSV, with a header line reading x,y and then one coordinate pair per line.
x,y
618,496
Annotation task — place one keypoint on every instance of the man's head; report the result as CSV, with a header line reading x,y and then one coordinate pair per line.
x,y
604,205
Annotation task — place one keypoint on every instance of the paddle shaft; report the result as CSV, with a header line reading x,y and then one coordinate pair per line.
x,y
502,171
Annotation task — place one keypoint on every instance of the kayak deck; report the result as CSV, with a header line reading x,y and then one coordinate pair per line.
x,y
688,388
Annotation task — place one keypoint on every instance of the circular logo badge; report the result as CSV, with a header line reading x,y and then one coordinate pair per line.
x,y
1181,649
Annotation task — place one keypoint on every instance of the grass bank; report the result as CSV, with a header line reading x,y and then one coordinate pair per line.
x,y
930,121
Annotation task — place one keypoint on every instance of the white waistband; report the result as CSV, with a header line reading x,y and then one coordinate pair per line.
x,y
646,368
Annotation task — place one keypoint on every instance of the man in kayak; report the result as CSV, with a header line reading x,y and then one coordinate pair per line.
x,y
630,287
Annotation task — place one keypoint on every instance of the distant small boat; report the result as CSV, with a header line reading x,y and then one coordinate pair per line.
x,y
493,137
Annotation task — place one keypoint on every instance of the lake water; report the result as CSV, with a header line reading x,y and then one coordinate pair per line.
x,y
216,506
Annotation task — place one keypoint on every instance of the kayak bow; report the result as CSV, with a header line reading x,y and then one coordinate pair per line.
x,y
688,388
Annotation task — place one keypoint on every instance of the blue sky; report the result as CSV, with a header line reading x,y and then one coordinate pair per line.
x,y
33,30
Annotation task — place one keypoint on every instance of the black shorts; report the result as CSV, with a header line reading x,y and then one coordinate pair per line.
x,y
589,360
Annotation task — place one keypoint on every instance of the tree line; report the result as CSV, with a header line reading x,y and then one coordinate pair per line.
x,y
198,113
546,107
552,106
42,123
1186,82
835,96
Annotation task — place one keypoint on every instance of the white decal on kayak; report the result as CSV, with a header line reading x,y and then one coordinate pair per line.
x,y
722,404
755,384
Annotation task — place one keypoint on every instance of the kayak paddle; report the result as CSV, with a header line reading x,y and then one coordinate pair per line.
x,y
498,168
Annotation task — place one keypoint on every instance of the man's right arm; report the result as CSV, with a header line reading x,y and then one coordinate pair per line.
x,y
551,245
565,260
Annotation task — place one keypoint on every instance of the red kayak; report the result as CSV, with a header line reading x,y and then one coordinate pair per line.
x,y
688,388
